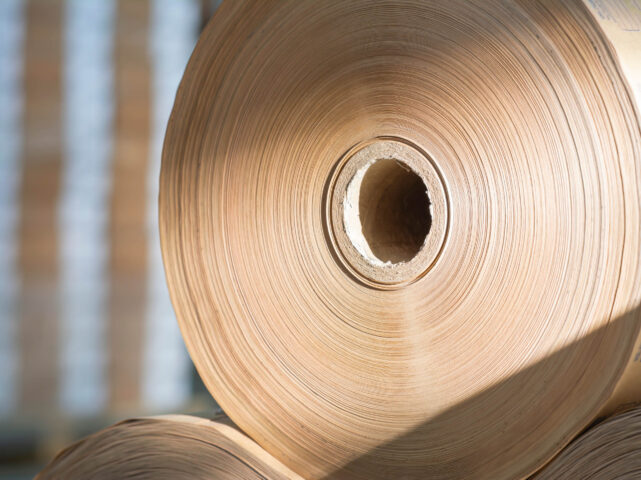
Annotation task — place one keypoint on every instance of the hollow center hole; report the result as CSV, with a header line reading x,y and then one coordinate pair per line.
x,y
394,211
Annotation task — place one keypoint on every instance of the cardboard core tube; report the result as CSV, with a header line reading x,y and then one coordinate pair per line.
x,y
387,216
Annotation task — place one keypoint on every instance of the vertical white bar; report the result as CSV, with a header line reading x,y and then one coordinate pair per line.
x,y
84,203
11,43
166,369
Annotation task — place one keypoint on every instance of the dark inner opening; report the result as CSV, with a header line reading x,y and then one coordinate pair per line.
x,y
394,211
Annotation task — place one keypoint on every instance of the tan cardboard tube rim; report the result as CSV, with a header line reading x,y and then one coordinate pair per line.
x,y
521,332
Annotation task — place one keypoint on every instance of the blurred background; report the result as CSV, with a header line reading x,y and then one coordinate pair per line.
x,y
87,331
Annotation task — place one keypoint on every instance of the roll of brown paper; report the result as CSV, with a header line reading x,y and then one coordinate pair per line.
x,y
402,237
172,447
611,449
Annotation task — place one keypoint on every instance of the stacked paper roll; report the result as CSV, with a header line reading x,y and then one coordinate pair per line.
x,y
172,447
611,449
180,447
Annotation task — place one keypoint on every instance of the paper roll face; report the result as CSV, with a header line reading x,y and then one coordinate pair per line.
x,y
402,237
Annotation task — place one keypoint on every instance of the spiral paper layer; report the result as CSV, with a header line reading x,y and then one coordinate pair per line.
x,y
483,361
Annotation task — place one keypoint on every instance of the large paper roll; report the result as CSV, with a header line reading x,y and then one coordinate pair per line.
x,y
172,447
402,237
611,449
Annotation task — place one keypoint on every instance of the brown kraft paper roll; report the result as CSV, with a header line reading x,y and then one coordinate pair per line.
x,y
172,447
611,449
402,237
